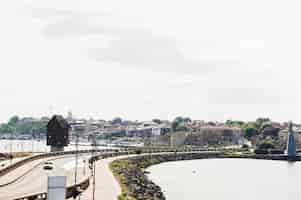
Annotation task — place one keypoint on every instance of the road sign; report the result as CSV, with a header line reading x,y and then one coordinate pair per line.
x,y
56,188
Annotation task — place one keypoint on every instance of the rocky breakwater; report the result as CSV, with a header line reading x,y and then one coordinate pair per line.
x,y
131,174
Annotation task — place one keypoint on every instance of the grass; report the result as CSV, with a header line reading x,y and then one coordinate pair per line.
x,y
21,154
117,167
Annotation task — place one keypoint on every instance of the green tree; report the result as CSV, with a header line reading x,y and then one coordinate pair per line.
x,y
13,120
5,128
250,130
260,121
179,119
178,124
187,119
234,123
174,125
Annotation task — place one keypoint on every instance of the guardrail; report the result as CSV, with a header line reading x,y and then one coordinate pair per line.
x,y
125,148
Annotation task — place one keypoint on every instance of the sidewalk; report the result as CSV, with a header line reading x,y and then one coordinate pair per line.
x,y
106,186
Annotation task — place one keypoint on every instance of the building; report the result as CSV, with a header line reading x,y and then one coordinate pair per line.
x,y
145,130
215,135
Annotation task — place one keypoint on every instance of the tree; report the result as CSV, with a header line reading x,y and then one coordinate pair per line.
x,y
178,123
174,125
5,128
234,123
260,121
13,120
187,119
178,119
249,130
158,121
117,120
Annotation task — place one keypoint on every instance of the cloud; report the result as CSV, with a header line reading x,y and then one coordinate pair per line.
x,y
128,46
144,50
252,96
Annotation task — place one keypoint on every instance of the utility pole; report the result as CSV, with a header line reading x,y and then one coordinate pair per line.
x,y
151,144
76,158
11,148
93,170
32,140
84,169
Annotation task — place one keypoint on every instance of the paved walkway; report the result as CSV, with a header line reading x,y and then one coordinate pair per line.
x,y
106,186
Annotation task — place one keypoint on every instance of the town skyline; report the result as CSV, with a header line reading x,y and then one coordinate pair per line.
x,y
70,115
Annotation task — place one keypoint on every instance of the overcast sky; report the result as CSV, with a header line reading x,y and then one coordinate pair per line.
x,y
138,59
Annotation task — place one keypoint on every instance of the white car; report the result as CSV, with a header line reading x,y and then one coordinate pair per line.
x,y
48,165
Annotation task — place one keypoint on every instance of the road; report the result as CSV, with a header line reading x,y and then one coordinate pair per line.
x,y
6,163
35,181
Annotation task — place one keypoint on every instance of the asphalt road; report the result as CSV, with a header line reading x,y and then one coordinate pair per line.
x,y
35,181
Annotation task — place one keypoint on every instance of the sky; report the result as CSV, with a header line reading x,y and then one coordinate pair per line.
x,y
138,59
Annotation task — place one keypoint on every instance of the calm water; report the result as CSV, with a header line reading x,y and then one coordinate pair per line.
x,y
36,146
228,179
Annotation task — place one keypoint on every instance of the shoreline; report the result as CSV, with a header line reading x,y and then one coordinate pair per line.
x,y
135,184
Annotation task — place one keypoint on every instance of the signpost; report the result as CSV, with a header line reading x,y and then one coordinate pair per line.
x,y
56,188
